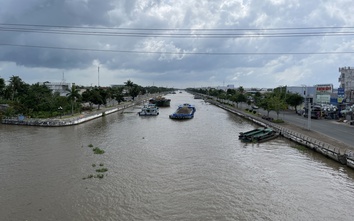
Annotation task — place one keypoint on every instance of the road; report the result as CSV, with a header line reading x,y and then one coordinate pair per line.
x,y
337,130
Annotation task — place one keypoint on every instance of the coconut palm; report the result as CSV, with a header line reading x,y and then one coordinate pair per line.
x,y
15,84
72,95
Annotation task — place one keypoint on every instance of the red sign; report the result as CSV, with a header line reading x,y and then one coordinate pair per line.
x,y
324,88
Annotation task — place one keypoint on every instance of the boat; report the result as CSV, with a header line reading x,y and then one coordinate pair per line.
x,y
251,132
149,110
184,111
258,135
160,101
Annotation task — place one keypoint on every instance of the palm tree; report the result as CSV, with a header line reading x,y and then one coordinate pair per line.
x,y
72,95
129,84
15,84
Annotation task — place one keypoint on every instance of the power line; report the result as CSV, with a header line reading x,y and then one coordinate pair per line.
x,y
179,33
179,53
182,29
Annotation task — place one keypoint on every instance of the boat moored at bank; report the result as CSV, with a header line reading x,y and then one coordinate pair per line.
x,y
258,135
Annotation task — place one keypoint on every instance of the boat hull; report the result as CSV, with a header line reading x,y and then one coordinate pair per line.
x,y
258,136
160,101
147,114
149,110
185,111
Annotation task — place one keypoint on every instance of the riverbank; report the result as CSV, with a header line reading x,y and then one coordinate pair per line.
x,y
76,119
69,120
318,142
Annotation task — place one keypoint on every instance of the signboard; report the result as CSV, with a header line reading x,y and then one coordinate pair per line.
x,y
324,88
340,95
323,99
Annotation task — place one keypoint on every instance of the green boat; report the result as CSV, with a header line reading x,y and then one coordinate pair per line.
x,y
251,132
260,135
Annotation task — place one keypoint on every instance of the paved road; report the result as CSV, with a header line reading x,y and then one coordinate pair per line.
x,y
331,128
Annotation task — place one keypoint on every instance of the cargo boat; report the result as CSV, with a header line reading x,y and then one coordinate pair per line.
x,y
258,135
184,111
160,101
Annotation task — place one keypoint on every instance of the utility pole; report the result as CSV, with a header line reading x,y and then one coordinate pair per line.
x,y
98,75
309,115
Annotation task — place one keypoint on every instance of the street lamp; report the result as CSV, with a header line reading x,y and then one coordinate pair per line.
x,y
60,109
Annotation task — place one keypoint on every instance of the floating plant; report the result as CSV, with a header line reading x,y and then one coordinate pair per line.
x,y
102,170
97,150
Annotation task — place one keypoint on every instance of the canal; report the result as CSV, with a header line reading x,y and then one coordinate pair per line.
x,y
163,169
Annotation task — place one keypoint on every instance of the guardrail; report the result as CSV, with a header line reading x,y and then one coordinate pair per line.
x,y
345,158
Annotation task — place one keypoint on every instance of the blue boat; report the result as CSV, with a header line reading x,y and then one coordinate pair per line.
x,y
184,111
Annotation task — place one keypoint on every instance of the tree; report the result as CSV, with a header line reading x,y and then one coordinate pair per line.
x,y
231,91
72,95
239,98
257,97
241,90
277,104
16,85
294,100
38,98
104,96
97,96
2,87
117,94
265,104
135,90
87,97
129,83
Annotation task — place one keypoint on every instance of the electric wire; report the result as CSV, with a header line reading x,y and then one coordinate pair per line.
x,y
195,33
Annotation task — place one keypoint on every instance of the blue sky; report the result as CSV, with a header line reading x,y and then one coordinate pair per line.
x,y
249,43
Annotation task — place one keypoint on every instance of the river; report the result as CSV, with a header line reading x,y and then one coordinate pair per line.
x,y
163,169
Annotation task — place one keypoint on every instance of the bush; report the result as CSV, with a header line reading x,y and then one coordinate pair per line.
x,y
278,121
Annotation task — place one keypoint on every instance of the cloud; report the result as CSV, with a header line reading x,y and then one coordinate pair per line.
x,y
175,43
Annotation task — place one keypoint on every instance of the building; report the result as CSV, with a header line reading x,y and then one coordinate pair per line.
x,y
317,94
346,82
229,86
58,87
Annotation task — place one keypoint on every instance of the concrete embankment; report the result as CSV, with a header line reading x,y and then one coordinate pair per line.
x,y
64,121
339,153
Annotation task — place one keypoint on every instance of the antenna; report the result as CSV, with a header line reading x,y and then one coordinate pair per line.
x,y
63,79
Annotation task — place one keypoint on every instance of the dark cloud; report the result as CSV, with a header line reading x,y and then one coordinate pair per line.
x,y
144,15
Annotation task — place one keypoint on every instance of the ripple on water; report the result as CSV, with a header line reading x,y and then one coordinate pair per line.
x,y
160,169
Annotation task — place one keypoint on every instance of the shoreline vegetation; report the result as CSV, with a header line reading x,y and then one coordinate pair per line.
x,y
67,120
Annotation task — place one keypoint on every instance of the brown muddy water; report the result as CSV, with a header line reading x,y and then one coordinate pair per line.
x,y
163,169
